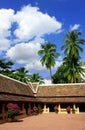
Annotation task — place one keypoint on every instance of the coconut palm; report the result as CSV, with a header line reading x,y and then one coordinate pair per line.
x,y
59,77
73,70
72,46
36,78
5,65
20,74
48,55
71,63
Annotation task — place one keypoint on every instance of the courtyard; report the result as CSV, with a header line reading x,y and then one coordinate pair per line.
x,y
50,121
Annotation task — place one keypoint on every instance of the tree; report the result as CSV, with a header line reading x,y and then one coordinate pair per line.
x,y
5,66
73,72
36,78
59,77
72,46
48,55
20,74
71,62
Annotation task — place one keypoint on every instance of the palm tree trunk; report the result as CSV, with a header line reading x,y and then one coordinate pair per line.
x,y
74,76
50,74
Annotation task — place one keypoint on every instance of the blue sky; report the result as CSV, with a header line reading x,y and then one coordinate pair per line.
x,y
26,24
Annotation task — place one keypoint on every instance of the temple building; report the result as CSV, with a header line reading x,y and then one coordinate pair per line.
x,y
44,96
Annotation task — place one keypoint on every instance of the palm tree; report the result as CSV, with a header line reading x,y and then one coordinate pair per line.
x,y
20,74
71,63
73,70
5,66
36,78
48,55
72,46
59,77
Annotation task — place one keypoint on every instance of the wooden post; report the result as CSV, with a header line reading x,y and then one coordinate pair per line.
x,y
23,109
39,105
29,108
3,111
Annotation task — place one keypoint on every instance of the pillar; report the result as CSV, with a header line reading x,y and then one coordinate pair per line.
x,y
74,106
59,108
23,108
29,108
3,111
39,105
45,110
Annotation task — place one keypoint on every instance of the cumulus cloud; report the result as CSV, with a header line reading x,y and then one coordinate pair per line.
x,y
32,22
26,29
35,65
47,81
24,52
4,44
6,19
74,27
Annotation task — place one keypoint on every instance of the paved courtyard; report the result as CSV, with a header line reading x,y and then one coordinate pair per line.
x,y
49,121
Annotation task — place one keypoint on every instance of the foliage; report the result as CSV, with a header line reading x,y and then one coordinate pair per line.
x,y
20,74
13,110
40,110
36,78
72,66
68,109
48,55
35,110
59,77
56,109
72,69
5,65
73,110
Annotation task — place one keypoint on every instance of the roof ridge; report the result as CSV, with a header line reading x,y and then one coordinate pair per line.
x,y
62,84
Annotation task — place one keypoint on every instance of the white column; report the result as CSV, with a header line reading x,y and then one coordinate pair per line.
x,y
59,108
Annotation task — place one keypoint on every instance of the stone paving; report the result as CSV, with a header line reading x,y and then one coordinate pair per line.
x,y
51,121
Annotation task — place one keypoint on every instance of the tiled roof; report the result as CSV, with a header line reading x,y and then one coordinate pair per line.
x,y
11,86
61,90
61,93
61,99
14,90
12,97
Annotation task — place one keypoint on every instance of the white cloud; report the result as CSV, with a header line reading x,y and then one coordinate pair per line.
x,y
31,23
74,27
4,44
27,34
6,19
57,64
47,81
24,52
35,66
